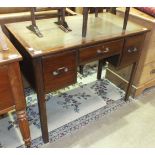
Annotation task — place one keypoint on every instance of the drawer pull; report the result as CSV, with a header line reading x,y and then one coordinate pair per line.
x,y
60,70
105,51
152,71
131,50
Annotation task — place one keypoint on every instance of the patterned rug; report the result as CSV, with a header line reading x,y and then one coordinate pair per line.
x,y
68,109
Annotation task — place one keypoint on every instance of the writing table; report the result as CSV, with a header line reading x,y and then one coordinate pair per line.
x,y
50,63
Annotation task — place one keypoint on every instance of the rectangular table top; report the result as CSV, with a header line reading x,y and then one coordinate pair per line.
x,y
103,28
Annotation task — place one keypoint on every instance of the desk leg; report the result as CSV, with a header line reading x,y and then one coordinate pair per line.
x,y
41,98
19,99
133,71
100,66
81,69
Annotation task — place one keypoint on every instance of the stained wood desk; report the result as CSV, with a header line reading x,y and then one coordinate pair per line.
x,y
11,88
50,63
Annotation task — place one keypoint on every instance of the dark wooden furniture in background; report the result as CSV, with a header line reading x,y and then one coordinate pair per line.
x,y
112,10
11,89
18,14
50,63
61,22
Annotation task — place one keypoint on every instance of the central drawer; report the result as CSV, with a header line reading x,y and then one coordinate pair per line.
x,y
59,70
100,51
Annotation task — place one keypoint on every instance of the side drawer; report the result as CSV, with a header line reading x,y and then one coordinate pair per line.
x,y
132,49
148,73
100,51
6,96
60,70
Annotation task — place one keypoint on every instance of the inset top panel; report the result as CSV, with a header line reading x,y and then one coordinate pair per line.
x,y
102,28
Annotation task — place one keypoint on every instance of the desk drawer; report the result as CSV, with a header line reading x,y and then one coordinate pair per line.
x,y
6,96
132,49
60,70
100,51
148,73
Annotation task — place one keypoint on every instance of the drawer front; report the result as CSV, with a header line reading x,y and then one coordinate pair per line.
x,y
150,53
60,70
100,51
132,49
148,73
6,96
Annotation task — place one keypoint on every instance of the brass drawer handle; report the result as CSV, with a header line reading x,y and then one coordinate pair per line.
x,y
152,71
60,70
133,49
105,51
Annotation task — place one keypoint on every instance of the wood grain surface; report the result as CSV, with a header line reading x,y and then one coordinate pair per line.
x,y
100,28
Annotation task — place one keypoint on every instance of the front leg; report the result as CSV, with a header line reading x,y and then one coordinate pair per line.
x,y
132,75
101,63
37,64
81,69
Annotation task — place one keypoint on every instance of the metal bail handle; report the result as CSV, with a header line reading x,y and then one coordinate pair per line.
x,y
60,70
132,49
105,51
